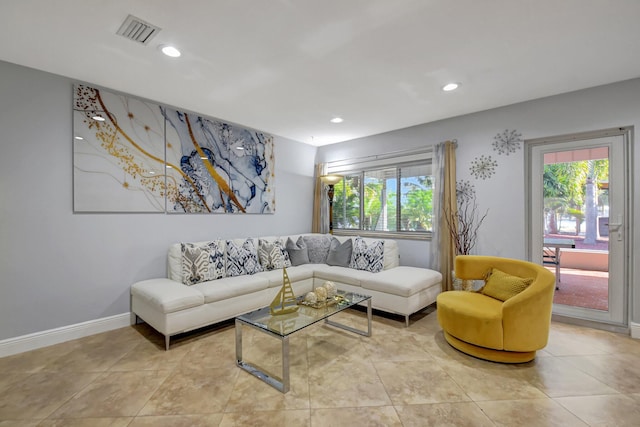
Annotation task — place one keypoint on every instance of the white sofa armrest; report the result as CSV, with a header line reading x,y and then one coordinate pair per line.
x,y
168,295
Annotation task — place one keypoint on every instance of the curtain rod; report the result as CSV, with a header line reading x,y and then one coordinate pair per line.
x,y
391,154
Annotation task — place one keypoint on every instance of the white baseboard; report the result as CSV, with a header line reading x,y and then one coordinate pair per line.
x,y
635,330
37,340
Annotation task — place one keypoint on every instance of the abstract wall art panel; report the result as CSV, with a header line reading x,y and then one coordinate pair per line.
x,y
225,168
135,156
118,153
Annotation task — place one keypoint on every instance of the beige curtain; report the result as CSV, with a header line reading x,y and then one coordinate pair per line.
x,y
442,246
320,219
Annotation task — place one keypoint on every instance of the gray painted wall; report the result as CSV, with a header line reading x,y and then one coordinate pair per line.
x,y
58,268
503,233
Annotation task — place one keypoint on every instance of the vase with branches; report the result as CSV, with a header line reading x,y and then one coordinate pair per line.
x,y
463,224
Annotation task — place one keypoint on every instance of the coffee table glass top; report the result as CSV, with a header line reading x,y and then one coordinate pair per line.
x,y
286,324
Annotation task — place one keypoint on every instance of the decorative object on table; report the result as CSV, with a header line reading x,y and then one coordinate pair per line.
x,y
330,181
464,222
331,288
507,142
483,167
285,301
310,298
321,293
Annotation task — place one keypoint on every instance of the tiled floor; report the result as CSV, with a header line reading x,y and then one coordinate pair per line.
x,y
398,377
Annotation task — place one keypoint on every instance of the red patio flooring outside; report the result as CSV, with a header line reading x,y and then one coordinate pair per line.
x,y
582,288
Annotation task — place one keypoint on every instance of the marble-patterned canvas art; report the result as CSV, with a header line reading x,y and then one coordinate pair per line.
x,y
144,157
226,168
118,161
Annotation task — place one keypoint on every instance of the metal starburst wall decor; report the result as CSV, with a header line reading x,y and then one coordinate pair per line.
x,y
483,167
465,191
507,142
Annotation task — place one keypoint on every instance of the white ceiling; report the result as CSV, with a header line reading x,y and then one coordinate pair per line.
x,y
288,66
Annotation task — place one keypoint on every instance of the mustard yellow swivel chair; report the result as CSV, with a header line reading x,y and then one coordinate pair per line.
x,y
509,331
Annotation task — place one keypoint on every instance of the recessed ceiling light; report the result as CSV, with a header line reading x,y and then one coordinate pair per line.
x,y
98,118
79,138
336,120
450,86
239,148
170,51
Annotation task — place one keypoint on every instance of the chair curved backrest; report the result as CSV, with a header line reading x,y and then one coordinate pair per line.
x,y
526,317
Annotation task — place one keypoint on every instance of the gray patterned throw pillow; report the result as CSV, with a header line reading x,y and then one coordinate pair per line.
x,y
273,255
317,247
242,259
201,263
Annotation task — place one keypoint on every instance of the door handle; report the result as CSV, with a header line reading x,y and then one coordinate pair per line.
x,y
617,227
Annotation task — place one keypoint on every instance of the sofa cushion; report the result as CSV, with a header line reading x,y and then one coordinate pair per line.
x,y
242,259
403,281
503,286
298,252
345,275
296,274
229,287
202,262
317,247
368,257
340,253
168,295
273,255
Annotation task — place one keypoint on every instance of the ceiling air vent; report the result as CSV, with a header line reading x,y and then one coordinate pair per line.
x,y
137,30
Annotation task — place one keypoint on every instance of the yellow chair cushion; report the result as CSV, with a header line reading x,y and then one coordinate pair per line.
x,y
503,286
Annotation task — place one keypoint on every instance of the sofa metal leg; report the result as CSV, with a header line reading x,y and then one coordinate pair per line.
x,y
166,342
406,320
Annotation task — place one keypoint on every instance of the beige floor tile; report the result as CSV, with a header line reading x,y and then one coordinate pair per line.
x,y
147,356
395,348
609,410
38,395
87,422
192,390
619,371
19,423
252,394
7,379
376,416
36,360
492,381
289,418
338,347
346,384
529,413
418,382
557,377
113,394
574,341
216,351
459,414
202,420
94,355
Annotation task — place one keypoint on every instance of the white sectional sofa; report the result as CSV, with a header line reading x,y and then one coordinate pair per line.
x,y
171,307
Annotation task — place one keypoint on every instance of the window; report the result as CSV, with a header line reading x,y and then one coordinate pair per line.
x,y
389,199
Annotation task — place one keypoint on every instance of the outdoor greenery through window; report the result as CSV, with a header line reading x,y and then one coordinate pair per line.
x,y
389,199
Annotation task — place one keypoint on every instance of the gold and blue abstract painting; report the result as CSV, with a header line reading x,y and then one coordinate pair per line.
x,y
132,155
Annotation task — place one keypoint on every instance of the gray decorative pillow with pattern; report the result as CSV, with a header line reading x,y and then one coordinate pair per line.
x,y
273,255
242,259
317,247
201,263
367,257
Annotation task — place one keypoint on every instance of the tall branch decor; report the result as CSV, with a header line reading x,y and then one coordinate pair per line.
x,y
463,223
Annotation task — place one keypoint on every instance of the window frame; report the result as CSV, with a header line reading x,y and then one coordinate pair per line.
x,y
422,157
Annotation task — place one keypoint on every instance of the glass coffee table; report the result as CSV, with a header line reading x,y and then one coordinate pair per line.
x,y
283,326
